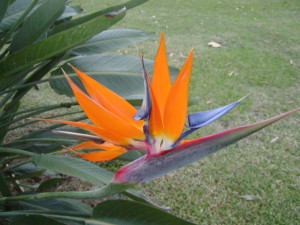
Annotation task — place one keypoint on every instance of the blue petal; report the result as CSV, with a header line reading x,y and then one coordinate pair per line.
x,y
200,119
144,111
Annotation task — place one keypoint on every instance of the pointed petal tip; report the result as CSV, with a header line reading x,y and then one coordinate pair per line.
x,y
243,98
66,75
161,35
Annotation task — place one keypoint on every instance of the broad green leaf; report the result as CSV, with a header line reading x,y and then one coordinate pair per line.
x,y
13,13
142,169
3,8
69,12
74,167
37,23
34,220
69,24
121,74
110,40
83,170
140,197
114,212
55,45
124,212
58,218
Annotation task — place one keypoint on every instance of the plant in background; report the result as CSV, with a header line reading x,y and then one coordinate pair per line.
x,y
156,128
37,37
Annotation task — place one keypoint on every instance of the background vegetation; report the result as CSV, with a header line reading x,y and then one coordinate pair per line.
x,y
257,180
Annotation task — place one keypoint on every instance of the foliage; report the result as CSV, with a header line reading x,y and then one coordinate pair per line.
x,y
37,37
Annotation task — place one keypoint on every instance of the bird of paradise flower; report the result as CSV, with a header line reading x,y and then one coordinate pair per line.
x,y
156,128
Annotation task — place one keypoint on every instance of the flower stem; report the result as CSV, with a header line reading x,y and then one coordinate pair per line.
x,y
99,193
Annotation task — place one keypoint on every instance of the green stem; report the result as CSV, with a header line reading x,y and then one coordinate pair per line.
x,y
28,115
24,86
38,140
108,190
16,151
49,107
36,121
53,127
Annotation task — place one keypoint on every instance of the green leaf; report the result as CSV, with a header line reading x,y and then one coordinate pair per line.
x,y
13,13
109,70
69,12
110,40
114,212
123,212
12,151
34,220
74,167
55,45
84,19
37,23
3,8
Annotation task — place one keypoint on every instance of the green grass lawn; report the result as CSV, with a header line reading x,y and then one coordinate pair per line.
x,y
260,55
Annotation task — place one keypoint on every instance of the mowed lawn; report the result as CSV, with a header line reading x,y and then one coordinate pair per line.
x,y
257,180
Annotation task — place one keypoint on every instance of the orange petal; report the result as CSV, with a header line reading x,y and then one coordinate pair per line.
x,y
101,117
176,105
92,145
161,78
101,133
111,151
103,155
109,100
85,145
156,128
